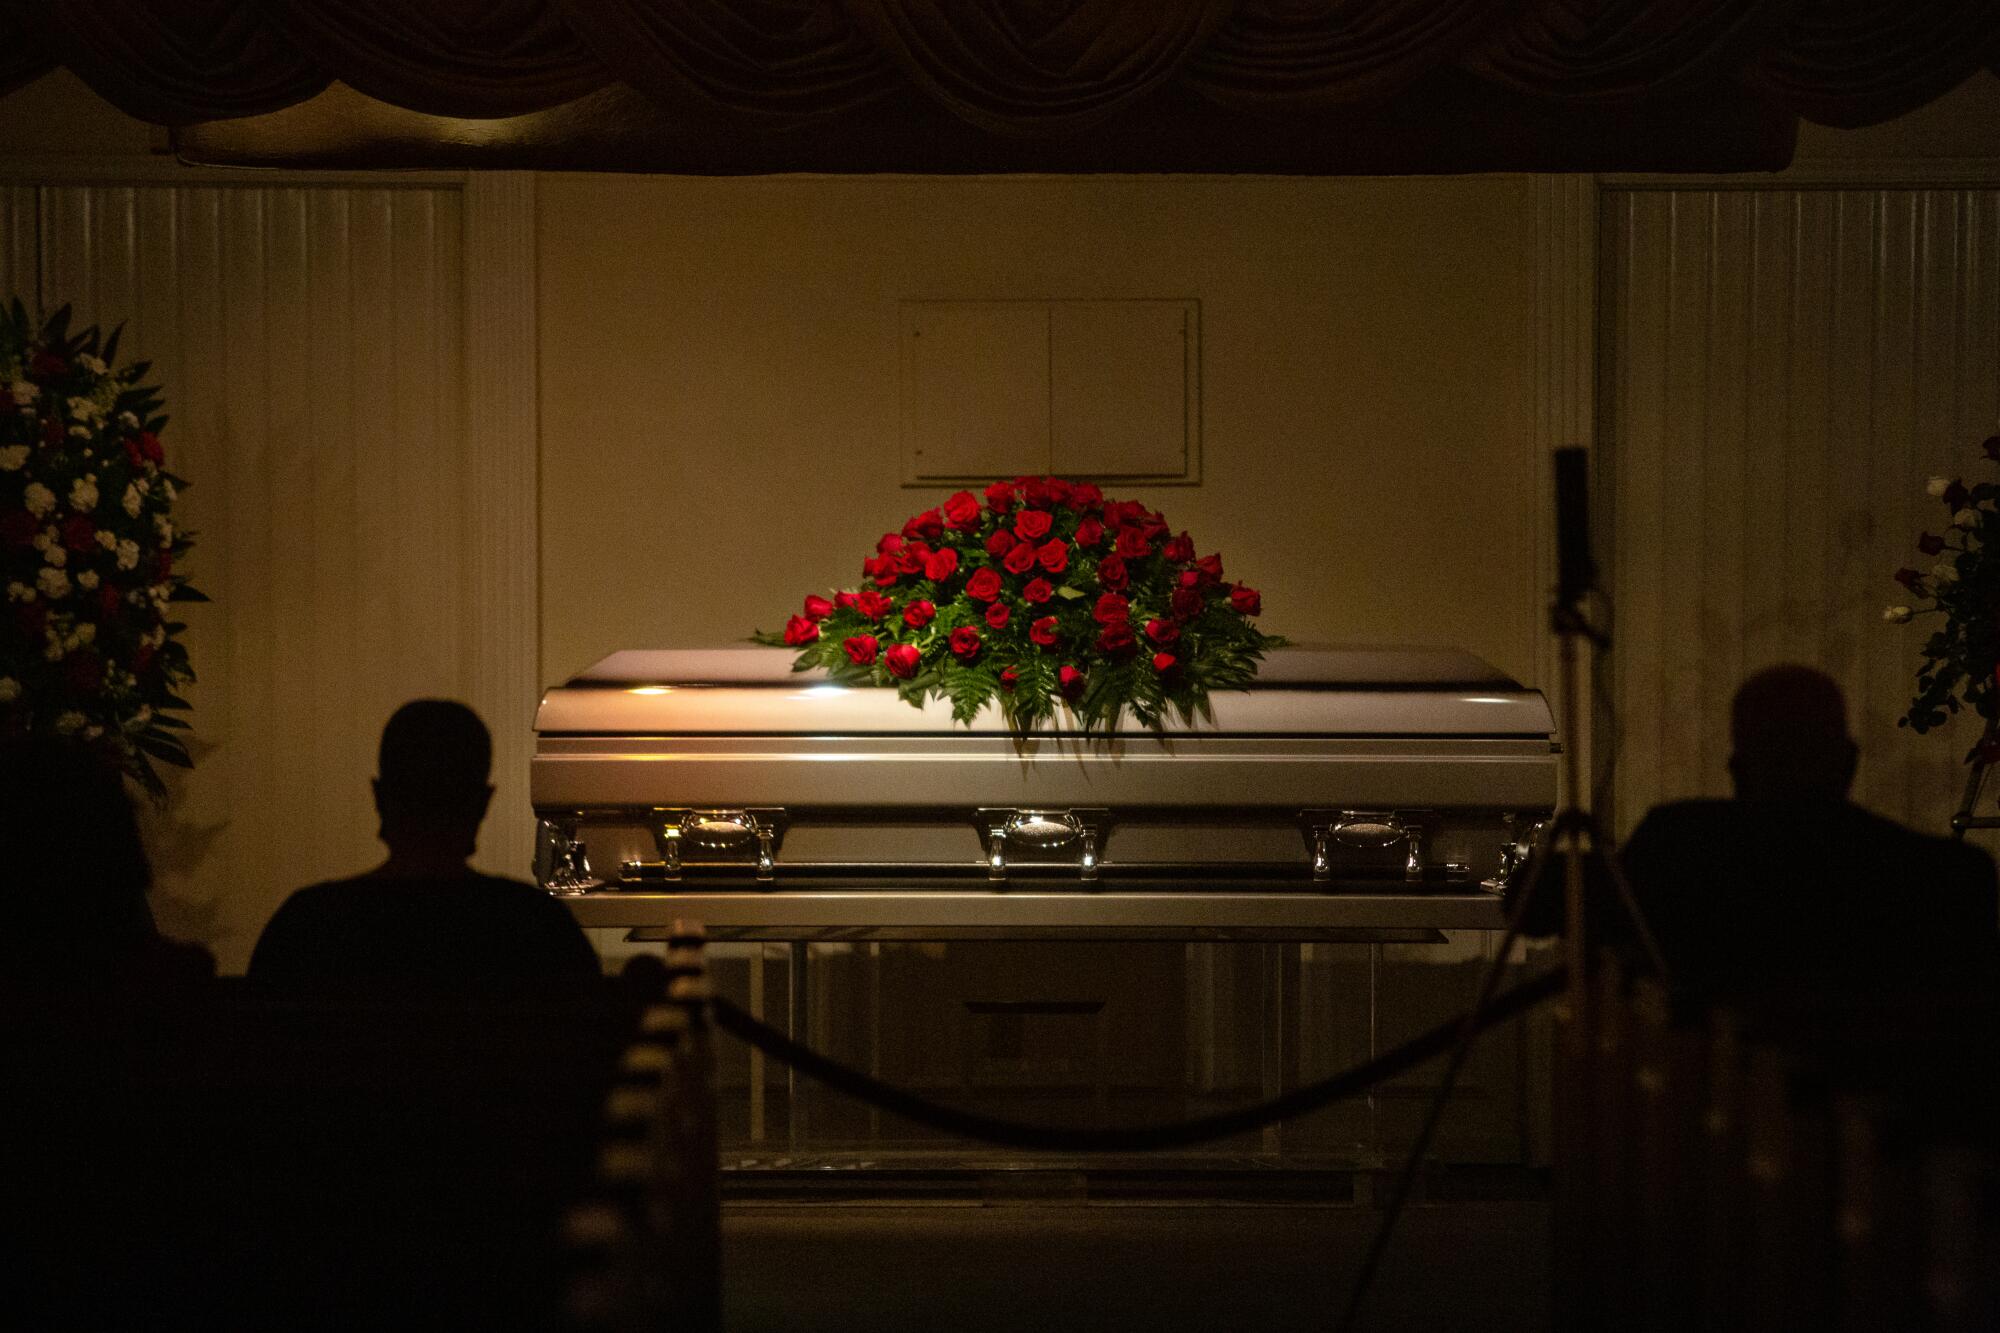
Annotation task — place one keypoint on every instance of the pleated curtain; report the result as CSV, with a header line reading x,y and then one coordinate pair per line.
x,y
1006,67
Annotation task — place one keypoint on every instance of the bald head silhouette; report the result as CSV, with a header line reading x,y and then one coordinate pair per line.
x,y
431,785
1788,727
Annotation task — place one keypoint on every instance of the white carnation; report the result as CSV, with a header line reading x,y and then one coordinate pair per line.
x,y
167,492
87,580
12,457
128,554
1965,518
81,432
24,393
131,500
1944,571
54,554
85,632
82,495
54,652
20,592
128,421
39,499
107,539
165,527
10,689
71,721
1936,487
1897,615
85,409
95,365
53,582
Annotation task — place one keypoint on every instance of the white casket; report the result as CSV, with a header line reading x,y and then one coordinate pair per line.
x,y
1348,788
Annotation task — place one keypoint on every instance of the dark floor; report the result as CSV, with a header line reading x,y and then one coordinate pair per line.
x,y
1156,1267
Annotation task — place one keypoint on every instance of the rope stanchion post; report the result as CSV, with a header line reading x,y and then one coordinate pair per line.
x,y
648,1244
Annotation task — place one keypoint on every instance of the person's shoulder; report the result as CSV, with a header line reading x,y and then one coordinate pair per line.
x,y
1672,820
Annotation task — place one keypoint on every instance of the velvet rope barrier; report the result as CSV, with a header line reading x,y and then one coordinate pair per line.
x,y
1139,1138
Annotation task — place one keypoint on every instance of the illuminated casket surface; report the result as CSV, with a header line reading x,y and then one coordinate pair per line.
x,y
692,779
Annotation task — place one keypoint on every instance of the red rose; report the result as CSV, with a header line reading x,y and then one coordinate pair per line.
x,y
1000,497
1111,573
983,586
47,366
940,565
1210,569
1186,603
1930,544
108,602
1165,662
1089,532
888,543
919,614
1132,544
33,618
1071,682
817,607
1120,513
961,511
1001,542
149,445
1058,490
1033,525
1043,631
163,566
910,560
1085,496
1162,631
18,528
52,432
133,453
84,670
1115,640
903,660
143,658
861,649
965,642
1021,559
1054,556
1009,678
1245,601
997,615
1189,578
847,601
1154,528
1038,591
873,605
1111,608
880,569
1180,550
928,525
1910,579
1036,491
800,631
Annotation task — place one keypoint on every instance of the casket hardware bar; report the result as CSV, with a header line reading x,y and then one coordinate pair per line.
x,y
1517,843
688,838
1043,831
568,860
1366,830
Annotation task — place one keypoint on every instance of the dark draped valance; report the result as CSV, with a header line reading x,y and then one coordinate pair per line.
x,y
1009,70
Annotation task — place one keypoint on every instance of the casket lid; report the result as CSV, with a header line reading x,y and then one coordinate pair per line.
x,y
1301,690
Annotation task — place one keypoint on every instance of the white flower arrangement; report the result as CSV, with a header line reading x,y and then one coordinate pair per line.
x,y
87,648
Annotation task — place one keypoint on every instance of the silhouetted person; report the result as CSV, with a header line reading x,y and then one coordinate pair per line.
x,y
74,877
1792,885
424,919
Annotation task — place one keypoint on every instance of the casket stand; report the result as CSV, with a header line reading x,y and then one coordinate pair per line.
x,y
1352,801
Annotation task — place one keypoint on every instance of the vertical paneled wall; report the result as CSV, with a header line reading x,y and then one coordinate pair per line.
x,y
311,343
1781,371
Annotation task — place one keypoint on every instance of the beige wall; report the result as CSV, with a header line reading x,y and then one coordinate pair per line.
x,y
719,389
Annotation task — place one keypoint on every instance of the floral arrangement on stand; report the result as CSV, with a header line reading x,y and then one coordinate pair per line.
x,y
1961,588
88,548
1044,595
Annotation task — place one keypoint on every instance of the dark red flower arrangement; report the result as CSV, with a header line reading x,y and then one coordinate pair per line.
x,y
1045,594
89,648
